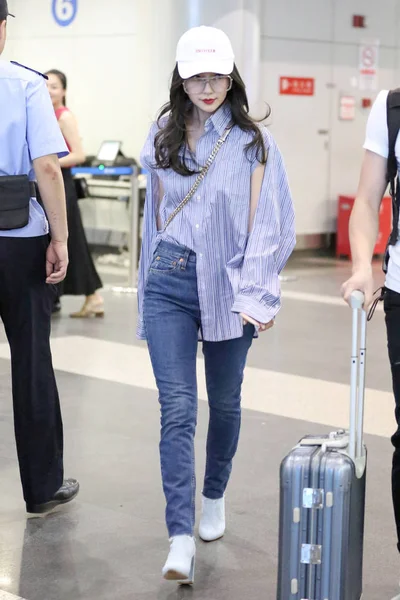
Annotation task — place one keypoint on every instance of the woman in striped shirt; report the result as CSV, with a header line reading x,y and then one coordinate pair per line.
x,y
209,270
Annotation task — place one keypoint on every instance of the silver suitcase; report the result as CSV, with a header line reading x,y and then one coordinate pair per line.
x,y
322,500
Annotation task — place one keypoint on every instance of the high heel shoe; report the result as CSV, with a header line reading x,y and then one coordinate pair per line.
x,y
181,560
90,309
212,522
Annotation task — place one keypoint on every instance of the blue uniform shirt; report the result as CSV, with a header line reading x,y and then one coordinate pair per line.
x,y
28,130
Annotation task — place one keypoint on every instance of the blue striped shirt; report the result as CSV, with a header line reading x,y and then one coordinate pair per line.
x,y
236,271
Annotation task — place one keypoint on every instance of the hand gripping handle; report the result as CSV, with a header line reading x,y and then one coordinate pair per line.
x,y
357,299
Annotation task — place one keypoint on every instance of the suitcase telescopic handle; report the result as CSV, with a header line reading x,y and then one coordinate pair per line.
x,y
357,300
357,384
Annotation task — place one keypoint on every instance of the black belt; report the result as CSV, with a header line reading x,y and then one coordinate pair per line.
x,y
32,189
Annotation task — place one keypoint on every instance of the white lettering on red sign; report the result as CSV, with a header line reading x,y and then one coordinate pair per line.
x,y
347,111
297,86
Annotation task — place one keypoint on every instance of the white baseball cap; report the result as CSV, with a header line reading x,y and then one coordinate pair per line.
x,y
204,50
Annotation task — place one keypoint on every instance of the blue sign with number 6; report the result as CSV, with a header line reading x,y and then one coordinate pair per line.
x,y
64,11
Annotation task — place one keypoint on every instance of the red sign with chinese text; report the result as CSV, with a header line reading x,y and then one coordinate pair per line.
x,y
297,86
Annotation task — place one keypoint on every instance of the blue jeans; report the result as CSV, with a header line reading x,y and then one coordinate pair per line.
x,y
172,319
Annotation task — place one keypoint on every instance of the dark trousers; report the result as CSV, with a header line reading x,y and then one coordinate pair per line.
x,y
25,308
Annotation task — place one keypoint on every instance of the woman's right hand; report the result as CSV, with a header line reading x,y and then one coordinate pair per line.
x,y
260,327
362,280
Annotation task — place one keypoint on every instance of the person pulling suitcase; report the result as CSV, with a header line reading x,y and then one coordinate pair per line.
x,y
380,166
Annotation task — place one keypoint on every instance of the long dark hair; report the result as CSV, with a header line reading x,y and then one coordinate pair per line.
x,y
172,138
63,79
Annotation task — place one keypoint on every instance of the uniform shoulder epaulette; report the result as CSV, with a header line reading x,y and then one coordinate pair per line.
x,y
13,62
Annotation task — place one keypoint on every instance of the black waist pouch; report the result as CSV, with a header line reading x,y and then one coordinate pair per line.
x,y
15,193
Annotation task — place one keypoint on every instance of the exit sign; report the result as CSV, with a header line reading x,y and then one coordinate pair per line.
x,y
297,86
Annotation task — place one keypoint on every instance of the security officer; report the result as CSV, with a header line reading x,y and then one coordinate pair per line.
x,y
30,266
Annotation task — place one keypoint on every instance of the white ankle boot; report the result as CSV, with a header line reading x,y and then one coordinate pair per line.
x,y
212,523
181,560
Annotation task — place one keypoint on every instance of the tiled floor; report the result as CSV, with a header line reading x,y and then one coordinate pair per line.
x,y
111,543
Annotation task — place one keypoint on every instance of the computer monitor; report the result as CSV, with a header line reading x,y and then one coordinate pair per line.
x,y
109,151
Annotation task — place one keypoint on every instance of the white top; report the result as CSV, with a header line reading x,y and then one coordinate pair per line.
x,y
377,140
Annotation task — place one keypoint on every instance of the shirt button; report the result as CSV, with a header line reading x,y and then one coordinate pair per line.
x,y
198,197
197,226
201,256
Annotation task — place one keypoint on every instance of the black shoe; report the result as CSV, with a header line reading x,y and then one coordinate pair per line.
x,y
67,492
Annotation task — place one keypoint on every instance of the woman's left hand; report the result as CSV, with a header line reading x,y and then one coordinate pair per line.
x,y
261,327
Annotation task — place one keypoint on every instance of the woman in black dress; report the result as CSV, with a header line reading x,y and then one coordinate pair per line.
x,y
82,277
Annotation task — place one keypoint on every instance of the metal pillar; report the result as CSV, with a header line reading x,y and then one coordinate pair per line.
x,y
134,220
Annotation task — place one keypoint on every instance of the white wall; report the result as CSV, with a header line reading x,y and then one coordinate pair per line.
x,y
314,38
118,57
103,54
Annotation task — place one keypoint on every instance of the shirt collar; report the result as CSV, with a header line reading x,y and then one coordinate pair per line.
x,y
220,120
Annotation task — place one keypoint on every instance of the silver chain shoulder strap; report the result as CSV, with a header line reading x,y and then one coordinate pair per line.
x,y
200,178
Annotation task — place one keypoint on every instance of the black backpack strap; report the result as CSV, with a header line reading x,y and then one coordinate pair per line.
x,y
393,124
